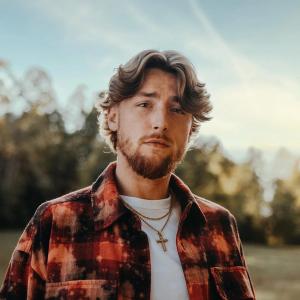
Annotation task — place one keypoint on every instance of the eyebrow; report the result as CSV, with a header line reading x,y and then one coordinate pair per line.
x,y
155,94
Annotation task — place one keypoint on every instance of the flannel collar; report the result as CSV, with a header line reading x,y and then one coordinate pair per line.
x,y
106,201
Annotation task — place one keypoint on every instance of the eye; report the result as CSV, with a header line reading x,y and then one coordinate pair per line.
x,y
143,104
178,110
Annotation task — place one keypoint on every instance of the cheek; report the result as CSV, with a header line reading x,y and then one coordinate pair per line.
x,y
182,137
183,129
130,130
129,120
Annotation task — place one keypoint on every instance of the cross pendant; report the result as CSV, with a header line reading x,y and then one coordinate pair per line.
x,y
162,241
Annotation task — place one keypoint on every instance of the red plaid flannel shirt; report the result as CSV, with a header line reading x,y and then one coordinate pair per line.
x,y
87,245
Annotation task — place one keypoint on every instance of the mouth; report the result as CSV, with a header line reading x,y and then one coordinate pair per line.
x,y
158,143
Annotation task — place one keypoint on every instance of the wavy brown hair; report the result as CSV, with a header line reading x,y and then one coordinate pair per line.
x,y
128,79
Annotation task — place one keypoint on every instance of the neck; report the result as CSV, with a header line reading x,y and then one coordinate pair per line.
x,y
132,184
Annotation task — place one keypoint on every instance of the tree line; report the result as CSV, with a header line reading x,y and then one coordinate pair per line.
x,y
41,159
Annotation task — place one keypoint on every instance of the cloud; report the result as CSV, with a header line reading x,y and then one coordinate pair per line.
x,y
86,21
254,107
262,115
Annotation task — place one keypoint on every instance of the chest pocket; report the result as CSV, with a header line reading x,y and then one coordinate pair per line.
x,y
82,289
232,283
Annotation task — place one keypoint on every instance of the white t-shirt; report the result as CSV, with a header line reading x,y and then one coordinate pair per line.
x,y
167,278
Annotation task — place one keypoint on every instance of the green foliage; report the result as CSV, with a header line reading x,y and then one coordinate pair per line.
x,y
39,160
34,158
285,220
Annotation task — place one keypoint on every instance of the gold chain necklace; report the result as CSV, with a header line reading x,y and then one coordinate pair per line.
x,y
146,217
161,240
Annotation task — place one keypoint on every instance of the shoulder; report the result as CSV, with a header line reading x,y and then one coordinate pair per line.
x,y
72,200
62,211
220,232
210,208
216,215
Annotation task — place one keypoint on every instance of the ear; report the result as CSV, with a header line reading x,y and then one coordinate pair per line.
x,y
112,118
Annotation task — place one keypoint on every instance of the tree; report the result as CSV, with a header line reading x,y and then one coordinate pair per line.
x,y
39,158
285,218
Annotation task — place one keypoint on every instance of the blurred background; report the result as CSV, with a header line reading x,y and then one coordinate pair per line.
x,y
55,57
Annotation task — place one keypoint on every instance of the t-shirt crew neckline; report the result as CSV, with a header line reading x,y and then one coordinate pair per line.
x,y
146,203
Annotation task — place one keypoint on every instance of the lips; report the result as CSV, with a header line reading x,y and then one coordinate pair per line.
x,y
158,142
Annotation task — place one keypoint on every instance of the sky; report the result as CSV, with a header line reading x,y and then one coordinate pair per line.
x,y
246,51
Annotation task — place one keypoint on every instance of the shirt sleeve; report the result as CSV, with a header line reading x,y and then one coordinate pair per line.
x,y
26,274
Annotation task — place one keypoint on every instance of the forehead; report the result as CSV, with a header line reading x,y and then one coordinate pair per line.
x,y
159,80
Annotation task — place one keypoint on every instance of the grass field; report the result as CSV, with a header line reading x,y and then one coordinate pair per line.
x,y
275,271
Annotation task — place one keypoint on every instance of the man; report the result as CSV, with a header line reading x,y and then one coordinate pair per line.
x,y
138,232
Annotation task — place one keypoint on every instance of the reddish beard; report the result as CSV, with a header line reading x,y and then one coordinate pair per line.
x,y
148,167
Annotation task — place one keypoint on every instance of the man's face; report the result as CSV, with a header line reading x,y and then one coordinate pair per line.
x,y
152,129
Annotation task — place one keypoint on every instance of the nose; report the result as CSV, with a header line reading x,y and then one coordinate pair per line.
x,y
160,120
